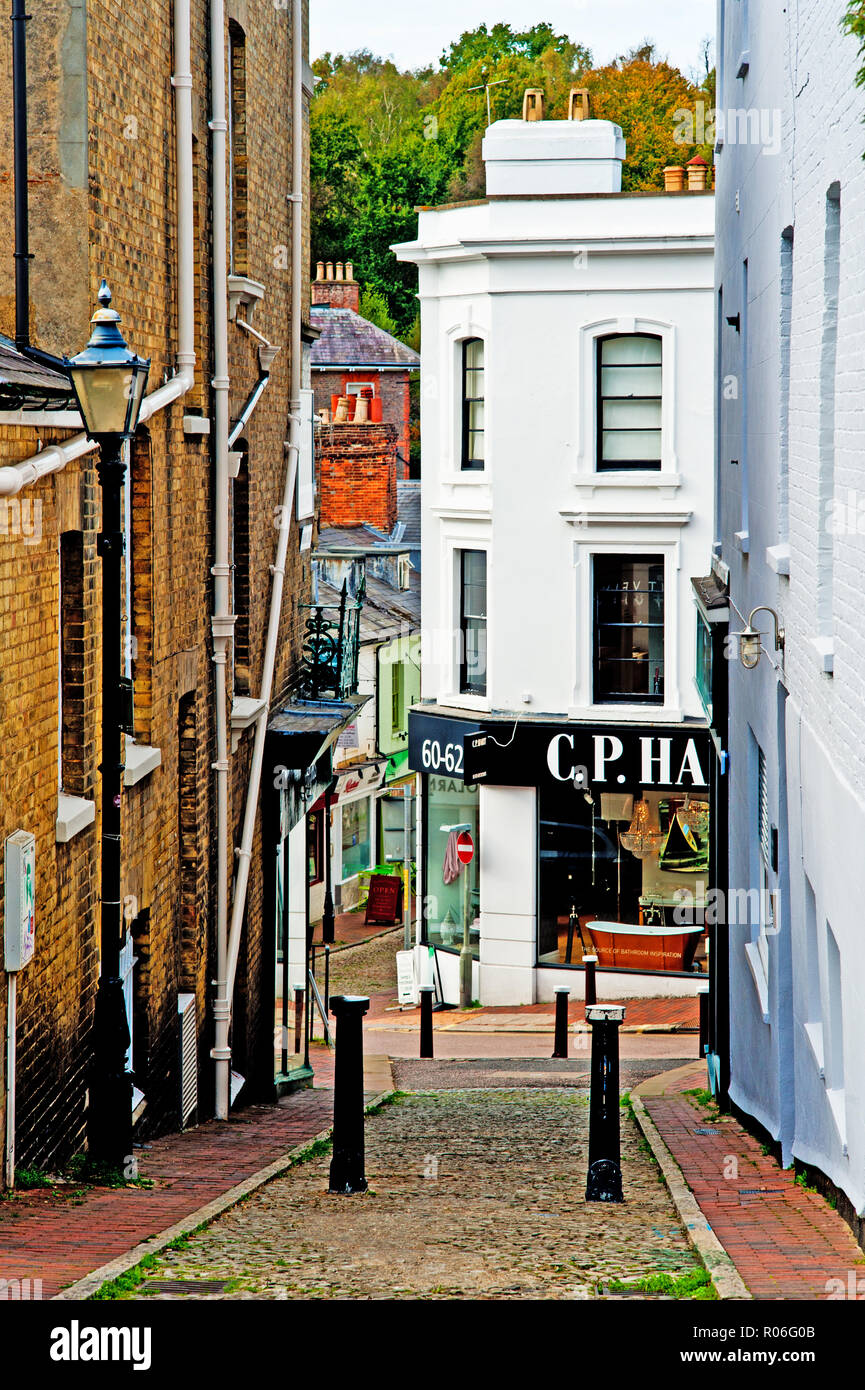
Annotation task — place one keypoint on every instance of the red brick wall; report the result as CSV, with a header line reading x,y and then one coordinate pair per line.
x,y
358,475
337,294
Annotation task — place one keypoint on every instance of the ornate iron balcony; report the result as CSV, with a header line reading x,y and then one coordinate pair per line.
x,y
330,649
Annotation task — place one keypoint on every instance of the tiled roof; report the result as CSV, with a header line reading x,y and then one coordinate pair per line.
x,y
408,512
347,340
25,383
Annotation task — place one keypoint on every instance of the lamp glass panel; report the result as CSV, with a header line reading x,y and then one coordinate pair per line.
x,y
103,394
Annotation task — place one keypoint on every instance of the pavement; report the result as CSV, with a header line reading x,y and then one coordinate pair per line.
x,y
760,1232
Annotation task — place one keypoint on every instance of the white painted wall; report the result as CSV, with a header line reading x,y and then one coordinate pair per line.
x,y
802,79
539,279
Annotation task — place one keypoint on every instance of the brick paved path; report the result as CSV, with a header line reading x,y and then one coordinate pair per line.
x,y
786,1242
59,1238
473,1194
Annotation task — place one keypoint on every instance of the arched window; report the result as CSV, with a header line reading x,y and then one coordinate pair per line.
x,y
629,401
473,404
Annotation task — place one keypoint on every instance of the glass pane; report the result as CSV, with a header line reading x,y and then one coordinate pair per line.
x,y
476,654
636,348
475,451
631,381
474,354
355,837
632,415
476,415
629,628
642,446
474,385
453,898
475,583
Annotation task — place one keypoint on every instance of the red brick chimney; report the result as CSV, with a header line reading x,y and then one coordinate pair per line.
x,y
358,475
336,290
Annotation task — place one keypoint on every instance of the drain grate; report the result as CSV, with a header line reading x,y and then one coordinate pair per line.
x,y
196,1288
705,1131
761,1191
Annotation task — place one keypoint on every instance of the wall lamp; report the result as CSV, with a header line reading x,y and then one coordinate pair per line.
x,y
750,641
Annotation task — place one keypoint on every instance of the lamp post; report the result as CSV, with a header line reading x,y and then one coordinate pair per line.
x,y
327,916
109,383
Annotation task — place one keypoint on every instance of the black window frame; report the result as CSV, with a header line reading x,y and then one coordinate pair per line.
x,y
603,465
468,464
470,685
626,697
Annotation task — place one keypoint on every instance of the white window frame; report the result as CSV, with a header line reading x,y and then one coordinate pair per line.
x,y
585,423
451,405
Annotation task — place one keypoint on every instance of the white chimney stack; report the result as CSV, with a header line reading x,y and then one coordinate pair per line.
x,y
546,157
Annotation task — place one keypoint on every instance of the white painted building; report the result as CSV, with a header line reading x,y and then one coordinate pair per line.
x,y
791,403
567,500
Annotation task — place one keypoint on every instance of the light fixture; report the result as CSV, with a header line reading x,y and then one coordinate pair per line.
x,y
750,640
107,378
644,835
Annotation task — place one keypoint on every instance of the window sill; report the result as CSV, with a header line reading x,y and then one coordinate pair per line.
x,y
141,760
622,713
632,477
466,701
761,984
196,425
825,649
837,1105
778,559
743,541
814,1034
243,292
74,814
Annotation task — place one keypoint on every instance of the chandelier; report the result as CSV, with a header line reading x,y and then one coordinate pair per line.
x,y
643,836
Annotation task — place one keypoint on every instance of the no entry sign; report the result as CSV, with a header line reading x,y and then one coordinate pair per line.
x,y
465,847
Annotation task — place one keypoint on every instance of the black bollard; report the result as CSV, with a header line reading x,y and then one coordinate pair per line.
x,y
560,1047
426,1026
347,1164
604,1180
298,1017
590,962
703,997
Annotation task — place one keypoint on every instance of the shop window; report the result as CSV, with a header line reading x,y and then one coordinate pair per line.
x,y
451,889
473,622
355,837
703,666
628,629
629,401
473,404
623,875
315,846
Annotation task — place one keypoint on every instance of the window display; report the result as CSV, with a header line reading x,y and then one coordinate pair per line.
x,y
612,867
452,892
355,837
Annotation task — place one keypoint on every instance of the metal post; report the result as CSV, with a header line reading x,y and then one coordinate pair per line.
x,y
426,1023
110,1111
560,1047
327,918
326,979
406,907
298,1017
347,1164
284,924
310,1012
466,952
590,962
604,1178
703,996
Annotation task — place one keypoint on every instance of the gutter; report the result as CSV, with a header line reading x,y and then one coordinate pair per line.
x,y
56,456
244,853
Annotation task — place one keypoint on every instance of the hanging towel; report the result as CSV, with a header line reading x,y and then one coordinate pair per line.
x,y
453,866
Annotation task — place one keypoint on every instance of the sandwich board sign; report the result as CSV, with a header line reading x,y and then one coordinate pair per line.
x,y
406,984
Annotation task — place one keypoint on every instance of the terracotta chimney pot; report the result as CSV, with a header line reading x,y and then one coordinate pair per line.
x,y
319,271
330,270
339,270
533,104
674,178
697,174
349,270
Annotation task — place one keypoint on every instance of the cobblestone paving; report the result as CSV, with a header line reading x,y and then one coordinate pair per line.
x,y
473,1194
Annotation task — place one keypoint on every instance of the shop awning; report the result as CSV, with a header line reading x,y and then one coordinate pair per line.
x,y
305,729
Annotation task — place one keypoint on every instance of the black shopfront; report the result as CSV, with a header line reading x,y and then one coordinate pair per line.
x,y
625,832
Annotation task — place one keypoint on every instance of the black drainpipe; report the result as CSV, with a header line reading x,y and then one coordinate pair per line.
x,y
22,220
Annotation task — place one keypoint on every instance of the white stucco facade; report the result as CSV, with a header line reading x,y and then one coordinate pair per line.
x,y
790,401
556,260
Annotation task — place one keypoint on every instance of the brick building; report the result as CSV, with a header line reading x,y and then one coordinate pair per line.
x,y
352,353
192,227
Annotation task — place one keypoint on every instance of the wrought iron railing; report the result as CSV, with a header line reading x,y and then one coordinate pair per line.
x,y
331,641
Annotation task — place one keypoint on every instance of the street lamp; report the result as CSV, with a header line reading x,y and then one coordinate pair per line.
x,y
109,383
750,640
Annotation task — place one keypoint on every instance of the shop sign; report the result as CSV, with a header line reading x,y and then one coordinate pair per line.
x,y
435,744
20,900
608,756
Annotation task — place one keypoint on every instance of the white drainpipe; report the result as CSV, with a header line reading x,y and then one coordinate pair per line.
x,y
52,459
222,621
244,853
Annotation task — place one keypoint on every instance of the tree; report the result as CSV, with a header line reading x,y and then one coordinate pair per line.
x,y
489,45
